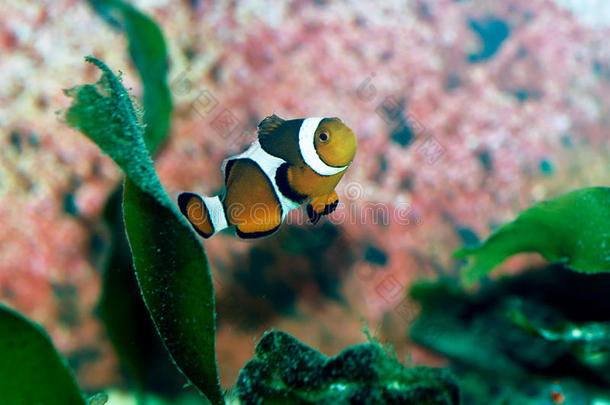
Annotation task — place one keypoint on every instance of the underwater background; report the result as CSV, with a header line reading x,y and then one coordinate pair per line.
x,y
466,113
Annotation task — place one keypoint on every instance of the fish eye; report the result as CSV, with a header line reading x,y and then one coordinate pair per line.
x,y
323,136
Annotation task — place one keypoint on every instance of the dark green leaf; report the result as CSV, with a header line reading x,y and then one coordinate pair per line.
x,y
149,54
122,308
573,228
31,370
170,262
143,357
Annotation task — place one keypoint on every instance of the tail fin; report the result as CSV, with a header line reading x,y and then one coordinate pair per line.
x,y
206,214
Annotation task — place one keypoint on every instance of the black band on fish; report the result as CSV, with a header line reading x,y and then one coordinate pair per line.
x,y
254,235
183,202
330,208
228,167
314,216
281,179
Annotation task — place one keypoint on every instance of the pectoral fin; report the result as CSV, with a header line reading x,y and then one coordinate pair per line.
x,y
322,205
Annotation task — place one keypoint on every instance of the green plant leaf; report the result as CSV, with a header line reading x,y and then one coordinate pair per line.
x,y
573,228
149,54
169,260
122,308
31,370
143,357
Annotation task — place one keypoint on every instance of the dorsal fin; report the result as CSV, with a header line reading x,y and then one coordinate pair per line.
x,y
280,138
269,125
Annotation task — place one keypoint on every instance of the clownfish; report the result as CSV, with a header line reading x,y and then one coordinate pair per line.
x,y
291,162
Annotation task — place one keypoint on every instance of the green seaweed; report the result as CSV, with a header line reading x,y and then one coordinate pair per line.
x,y
573,229
128,324
149,54
512,341
143,357
588,341
285,371
171,268
105,113
169,260
31,370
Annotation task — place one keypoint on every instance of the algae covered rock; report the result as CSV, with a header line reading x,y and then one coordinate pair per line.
x,y
286,371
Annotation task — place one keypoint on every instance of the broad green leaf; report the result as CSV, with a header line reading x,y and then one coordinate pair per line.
x,y
142,355
149,54
170,262
573,228
31,370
